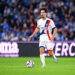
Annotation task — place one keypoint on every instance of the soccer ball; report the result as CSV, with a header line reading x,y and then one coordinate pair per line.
x,y
30,64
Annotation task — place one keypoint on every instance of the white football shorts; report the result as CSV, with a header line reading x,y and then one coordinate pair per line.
x,y
46,43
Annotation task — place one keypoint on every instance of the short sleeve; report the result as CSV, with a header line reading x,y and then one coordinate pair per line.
x,y
38,26
52,24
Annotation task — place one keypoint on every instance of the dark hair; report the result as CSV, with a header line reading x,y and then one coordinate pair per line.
x,y
43,9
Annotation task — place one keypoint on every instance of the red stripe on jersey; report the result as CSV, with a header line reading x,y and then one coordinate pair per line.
x,y
48,35
48,31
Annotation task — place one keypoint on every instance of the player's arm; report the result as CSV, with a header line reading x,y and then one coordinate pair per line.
x,y
54,33
36,30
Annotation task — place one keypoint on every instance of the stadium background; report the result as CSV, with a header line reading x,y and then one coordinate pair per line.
x,y
18,20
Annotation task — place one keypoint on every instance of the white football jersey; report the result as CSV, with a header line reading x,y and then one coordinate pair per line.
x,y
45,27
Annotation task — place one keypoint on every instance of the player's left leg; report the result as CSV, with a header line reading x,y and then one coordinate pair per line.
x,y
52,54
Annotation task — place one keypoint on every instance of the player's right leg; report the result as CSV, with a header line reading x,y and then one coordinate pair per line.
x,y
50,46
52,54
42,57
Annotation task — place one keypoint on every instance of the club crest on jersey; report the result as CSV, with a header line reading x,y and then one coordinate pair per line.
x,y
46,25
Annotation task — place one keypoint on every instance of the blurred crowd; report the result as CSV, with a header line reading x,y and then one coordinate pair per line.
x,y
18,18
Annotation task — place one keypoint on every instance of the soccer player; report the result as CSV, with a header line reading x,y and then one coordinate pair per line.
x,y
45,26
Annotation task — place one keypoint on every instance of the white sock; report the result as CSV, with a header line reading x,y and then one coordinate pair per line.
x,y
42,57
55,58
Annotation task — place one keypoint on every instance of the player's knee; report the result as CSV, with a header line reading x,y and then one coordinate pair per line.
x,y
50,53
41,50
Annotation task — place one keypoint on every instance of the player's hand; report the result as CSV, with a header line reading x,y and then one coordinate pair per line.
x,y
30,37
52,39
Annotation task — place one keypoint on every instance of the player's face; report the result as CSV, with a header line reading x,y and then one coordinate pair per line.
x,y
43,14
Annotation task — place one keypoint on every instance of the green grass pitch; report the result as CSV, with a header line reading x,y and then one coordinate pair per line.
x,y
17,66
